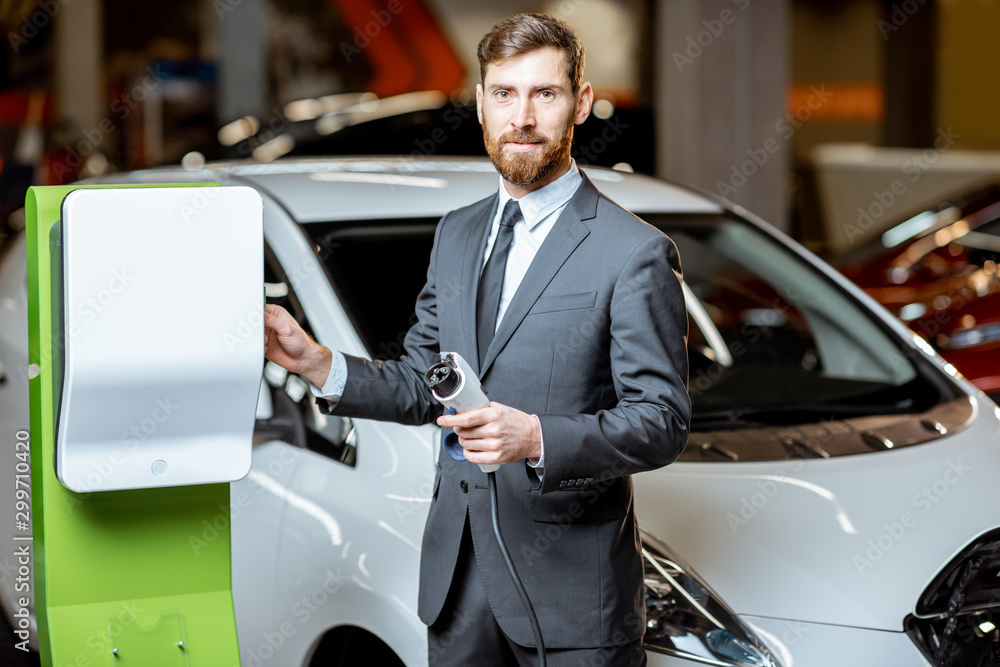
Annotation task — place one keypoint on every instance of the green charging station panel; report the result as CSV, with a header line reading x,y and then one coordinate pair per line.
x,y
122,577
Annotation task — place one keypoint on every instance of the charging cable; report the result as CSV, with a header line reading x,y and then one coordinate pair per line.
x,y
456,387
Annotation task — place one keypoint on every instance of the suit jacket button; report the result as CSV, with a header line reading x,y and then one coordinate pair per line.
x,y
464,485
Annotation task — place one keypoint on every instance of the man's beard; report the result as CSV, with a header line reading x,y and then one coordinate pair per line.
x,y
526,168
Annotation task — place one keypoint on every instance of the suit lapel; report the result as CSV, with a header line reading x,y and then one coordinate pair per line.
x,y
564,237
475,246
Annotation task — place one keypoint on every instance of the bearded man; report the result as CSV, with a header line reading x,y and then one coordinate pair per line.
x,y
573,317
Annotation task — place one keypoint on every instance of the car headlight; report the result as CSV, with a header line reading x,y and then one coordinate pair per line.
x,y
686,618
956,619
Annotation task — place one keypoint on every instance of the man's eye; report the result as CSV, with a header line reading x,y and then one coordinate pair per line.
x,y
503,94
548,94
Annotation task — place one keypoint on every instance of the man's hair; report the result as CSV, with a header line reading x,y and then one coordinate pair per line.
x,y
521,33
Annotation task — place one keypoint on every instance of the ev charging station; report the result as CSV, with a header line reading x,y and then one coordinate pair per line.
x,y
142,412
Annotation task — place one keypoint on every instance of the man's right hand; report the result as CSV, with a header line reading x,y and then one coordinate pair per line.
x,y
286,344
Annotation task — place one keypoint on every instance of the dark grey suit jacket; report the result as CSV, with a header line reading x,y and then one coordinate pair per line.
x,y
594,343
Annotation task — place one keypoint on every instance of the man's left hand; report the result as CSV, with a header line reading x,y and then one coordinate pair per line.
x,y
496,434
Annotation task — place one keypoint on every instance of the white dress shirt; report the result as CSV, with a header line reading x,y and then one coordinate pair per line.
x,y
539,211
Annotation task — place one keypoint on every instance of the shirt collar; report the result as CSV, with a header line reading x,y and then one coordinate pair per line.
x,y
537,205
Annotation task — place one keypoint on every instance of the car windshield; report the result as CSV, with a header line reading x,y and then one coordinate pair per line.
x,y
772,339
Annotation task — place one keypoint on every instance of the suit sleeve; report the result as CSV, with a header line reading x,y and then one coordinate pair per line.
x,y
395,390
648,426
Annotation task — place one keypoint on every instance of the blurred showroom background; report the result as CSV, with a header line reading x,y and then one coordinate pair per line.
x,y
845,123
833,119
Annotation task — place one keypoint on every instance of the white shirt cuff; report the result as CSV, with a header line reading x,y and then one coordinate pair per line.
x,y
539,463
333,388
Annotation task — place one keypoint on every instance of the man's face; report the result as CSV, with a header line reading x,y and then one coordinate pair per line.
x,y
527,109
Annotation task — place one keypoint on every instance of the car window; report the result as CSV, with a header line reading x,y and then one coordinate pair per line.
x,y
377,270
786,364
772,340
789,332
288,411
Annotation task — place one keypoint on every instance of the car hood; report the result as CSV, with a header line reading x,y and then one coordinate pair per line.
x,y
850,540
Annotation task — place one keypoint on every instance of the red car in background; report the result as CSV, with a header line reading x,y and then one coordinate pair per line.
x,y
937,271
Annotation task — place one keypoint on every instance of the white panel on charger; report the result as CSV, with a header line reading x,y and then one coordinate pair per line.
x,y
163,337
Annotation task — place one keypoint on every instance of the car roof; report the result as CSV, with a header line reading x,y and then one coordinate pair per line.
x,y
367,188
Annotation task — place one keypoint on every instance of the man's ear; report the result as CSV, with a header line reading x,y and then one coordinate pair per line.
x,y
479,102
584,102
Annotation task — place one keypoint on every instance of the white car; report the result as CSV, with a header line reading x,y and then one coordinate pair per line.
x,y
835,504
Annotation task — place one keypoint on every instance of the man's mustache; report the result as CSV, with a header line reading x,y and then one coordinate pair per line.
x,y
522,137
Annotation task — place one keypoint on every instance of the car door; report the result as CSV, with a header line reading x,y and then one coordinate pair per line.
x,y
353,493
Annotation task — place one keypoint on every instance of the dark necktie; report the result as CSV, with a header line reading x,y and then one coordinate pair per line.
x,y
491,281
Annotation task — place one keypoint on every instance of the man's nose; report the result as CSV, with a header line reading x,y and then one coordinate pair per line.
x,y
524,113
